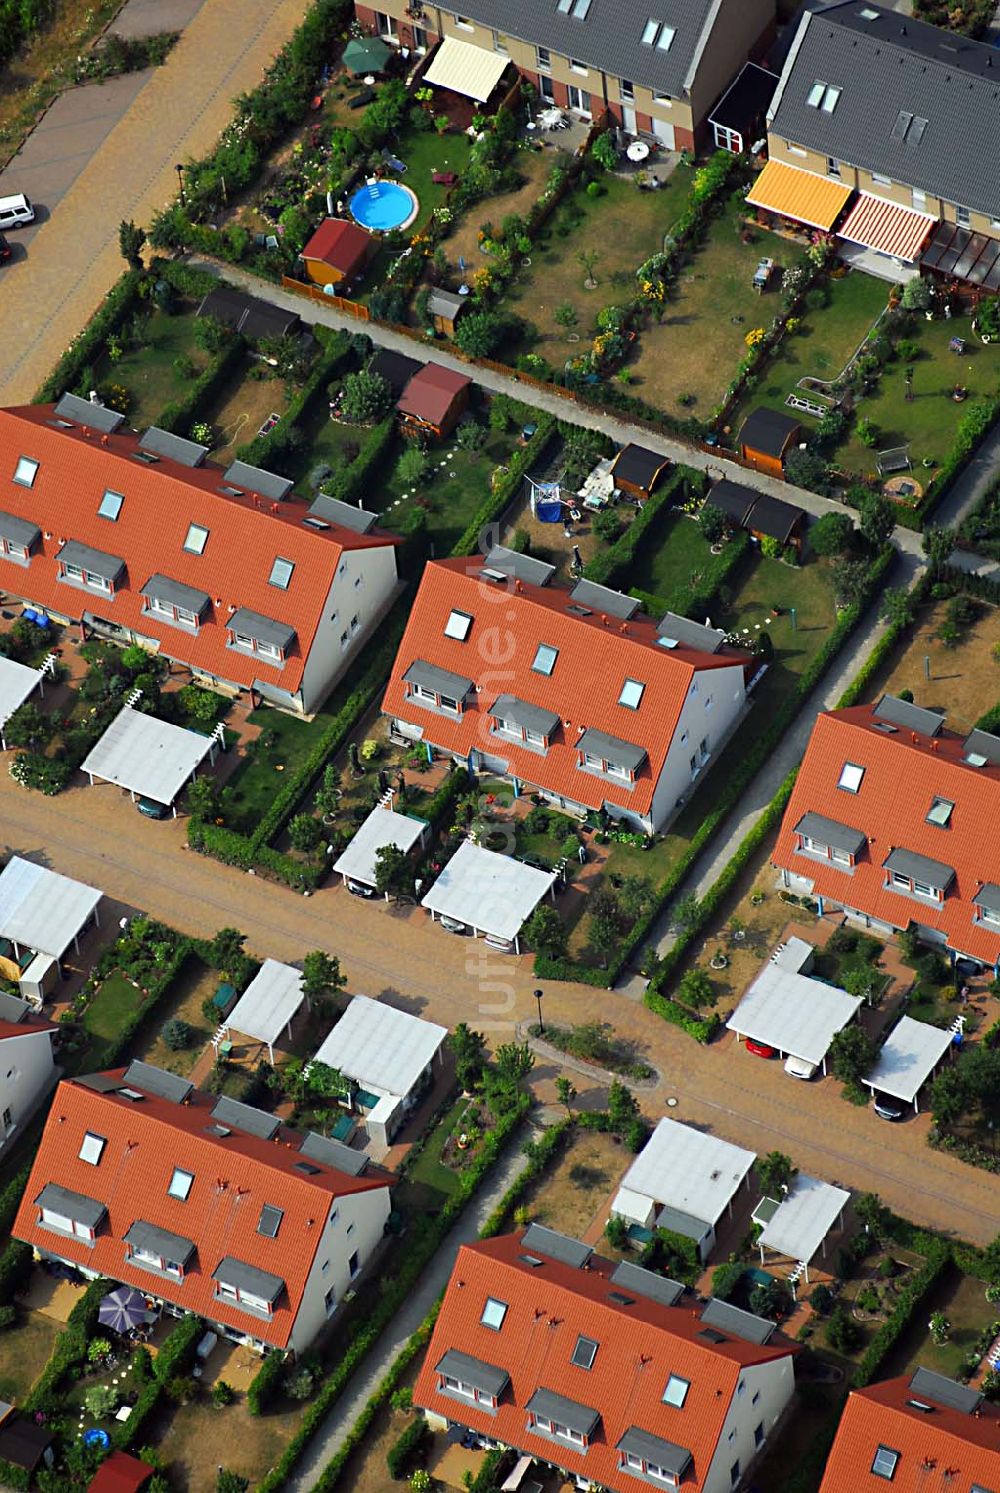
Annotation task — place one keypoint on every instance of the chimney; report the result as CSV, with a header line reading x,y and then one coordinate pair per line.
x,y
604,619
624,627
104,439
934,743
914,738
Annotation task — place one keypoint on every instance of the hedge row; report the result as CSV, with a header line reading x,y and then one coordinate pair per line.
x,y
427,1240
729,795
350,483
611,564
909,1298
155,991
179,415
973,427
10,1198
688,602
494,505
70,1348
87,345
175,1358
408,1450
883,648
269,450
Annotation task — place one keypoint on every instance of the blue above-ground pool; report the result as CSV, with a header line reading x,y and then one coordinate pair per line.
x,y
383,205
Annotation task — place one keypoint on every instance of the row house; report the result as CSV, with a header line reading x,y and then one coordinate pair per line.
x,y
657,66
891,820
205,1204
570,693
141,539
613,1375
886,131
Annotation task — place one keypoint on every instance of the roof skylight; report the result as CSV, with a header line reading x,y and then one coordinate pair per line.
x,y
92,1148
676,1391
823,96
270,1221
493,1313
25,471
940,812
281,573
545,658
656,34
631,694
180,1184
850,777
196,539
584,1353
457,626
884,1463
110,505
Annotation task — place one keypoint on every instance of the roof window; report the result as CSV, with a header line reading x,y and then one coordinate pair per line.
x,y
940,812
110,505
270,1221
850,777
655,34
676,1391
457,626
575,8
545,659
584,1353
25,471
92,1148
884,1463
823,96
180,1184
281,573
631,693
197,538
493,1313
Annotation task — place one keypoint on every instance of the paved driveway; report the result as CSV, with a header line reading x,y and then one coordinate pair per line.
x,y
93,834
73,258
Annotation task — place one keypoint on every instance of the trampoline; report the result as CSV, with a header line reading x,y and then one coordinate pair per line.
x,y
384,205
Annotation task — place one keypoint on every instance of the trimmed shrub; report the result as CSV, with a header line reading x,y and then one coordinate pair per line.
x,y
177,1354
409,1449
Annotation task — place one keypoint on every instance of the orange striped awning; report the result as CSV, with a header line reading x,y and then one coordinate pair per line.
x,y
802,195
887,227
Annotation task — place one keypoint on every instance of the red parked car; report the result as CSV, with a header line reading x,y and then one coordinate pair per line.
x,y
760,1049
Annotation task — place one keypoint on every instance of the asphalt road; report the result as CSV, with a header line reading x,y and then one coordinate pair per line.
x,y
96,835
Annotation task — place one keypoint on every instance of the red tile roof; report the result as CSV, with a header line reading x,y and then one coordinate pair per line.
x,y
121,1474
342,245
161,501
25,1028
938,1450
431,392
903,773
639,1346
234,1177
596,655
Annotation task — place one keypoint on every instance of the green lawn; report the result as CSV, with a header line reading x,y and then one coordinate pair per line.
x,y
428,1182
327,442
673,556
456,485
697,347
113,1005
25,1349
283,743
928,422
824,343
961,1299
148,372
624,226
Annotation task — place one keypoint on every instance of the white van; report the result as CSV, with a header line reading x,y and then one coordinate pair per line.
x,y
15,211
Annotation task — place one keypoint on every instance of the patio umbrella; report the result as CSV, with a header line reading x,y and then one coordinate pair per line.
x,y
122,1310
366,54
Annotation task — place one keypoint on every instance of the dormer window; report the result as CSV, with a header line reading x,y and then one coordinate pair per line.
x,y
457,626
25,471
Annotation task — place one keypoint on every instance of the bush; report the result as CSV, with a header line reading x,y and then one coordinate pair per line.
x,y
177,1034
177,1353
223,1393
408,1451
842,1332
832,534
266,1384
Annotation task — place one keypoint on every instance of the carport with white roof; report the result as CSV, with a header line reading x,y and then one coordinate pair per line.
x,y
382,827
268,1005
147,757
795,1015
490,893
907,1059
798,1225
17,684
41,910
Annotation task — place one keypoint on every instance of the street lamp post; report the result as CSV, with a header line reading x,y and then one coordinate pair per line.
x,y
541,1024
179,168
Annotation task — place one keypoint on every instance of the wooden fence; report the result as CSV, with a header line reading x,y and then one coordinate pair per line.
x,y
338,302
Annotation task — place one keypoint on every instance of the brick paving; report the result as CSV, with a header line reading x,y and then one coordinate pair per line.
x,y
74,258
395,952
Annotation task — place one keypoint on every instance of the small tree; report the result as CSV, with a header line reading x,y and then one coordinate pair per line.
x,y
852,1054
687,912
870,1210
177,1034
588,259
412,466
712,523
29,728
867,433
917,295
512,1062
937,544
695,989
774,1173
471,436
842,1332
605,151
565,316
321,976
226,950
480,333
623,1109
211,335
100,1400
566,1093
877,520
304,833
231,1482
469,1048
131,242
897,607
940,1328
546,932
850,582
366,397
726,1278
831,534
393,871
604,934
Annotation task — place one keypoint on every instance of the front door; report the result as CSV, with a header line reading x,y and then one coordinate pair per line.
x,y
545,89
664,132
579,100
628,119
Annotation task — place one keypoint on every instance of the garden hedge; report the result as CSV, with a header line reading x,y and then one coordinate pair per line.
x,y
16,1265
731,792
883,648
910,1298
180,414
119,303
10,1198
407,1452
176,1355
269,451
427,1238
70,1349
609,566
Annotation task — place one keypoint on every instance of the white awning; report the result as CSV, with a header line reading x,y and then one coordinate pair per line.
x,y
269,1002
41,910
793,1014
488,892
380,1047
908,1059
688,1169
382,827
147,756
17,682
805,1217
464,68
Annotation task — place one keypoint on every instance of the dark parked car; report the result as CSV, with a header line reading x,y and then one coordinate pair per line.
x,y
5,250
152,809
888,1109
358,889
